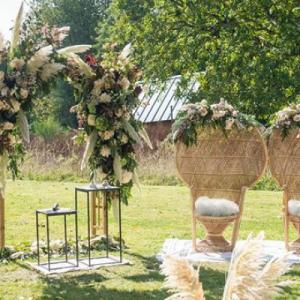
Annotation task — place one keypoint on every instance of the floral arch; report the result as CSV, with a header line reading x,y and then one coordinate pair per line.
x,y
106,94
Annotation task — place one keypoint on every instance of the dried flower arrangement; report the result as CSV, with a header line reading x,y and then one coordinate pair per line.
x,y
107,96
250,276
28,64
193,116
287,119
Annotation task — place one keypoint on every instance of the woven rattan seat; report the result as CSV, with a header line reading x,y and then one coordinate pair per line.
x,y
221,167
284,156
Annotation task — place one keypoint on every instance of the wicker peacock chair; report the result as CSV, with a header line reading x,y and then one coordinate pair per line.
x,y
284,156
220,167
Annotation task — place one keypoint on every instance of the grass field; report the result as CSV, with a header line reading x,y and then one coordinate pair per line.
x,y
153,215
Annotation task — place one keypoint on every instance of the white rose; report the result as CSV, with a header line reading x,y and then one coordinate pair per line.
x,y
119,113
203,102
99,84
124,139
234,113
105,151
229,124
91,120
126,176
218,114
105,98
16,104
24,93
4,92
296,118
124,83
203,111
8,126
106,135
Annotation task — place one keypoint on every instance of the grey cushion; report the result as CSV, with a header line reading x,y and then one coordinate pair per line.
x,y
215,207
294,207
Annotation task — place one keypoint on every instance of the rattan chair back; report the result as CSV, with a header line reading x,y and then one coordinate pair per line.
x,y
218,166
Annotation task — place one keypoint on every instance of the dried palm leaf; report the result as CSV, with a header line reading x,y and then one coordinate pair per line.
x,y
2,43
74,49
50,69
182,279
90,146
39,59
84,67
17,29
23,125
125,52
143,133
117,166
3,167
249,276
132,133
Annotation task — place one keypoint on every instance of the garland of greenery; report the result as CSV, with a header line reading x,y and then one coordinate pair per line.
x,y
222,115
287,119
107,96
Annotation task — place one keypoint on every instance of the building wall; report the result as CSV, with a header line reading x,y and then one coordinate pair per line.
x,y
158,131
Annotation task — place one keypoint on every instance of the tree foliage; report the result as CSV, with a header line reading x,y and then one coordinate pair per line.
x,y
82,16
245,51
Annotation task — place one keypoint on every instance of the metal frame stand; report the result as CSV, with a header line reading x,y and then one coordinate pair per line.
x,y
51,213
104,190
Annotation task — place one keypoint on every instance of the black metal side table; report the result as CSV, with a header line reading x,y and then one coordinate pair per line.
x,y
91,191
53,213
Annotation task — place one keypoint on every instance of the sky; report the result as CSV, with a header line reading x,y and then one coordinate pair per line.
x,y
8,12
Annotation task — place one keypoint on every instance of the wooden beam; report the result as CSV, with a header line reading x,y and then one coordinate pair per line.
x,y
2,221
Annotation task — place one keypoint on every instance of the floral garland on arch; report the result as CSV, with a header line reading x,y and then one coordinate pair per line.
x,y
28,66
107,96
287,119
193,116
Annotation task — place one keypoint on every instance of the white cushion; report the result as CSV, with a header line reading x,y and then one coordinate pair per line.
x,y
213,207
294,207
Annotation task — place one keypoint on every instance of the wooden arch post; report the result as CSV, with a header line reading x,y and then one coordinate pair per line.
x,y
2,221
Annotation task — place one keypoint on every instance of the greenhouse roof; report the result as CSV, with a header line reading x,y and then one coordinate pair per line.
x,y
163,103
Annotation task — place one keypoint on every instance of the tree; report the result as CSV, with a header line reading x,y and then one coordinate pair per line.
x,y
82,16
245,51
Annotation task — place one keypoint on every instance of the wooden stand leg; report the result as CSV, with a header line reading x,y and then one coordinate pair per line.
x,y
93,214
237,223
286,217
286,232
2,221
194,230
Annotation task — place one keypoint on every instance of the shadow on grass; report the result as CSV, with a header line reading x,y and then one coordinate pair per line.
x,y
91,287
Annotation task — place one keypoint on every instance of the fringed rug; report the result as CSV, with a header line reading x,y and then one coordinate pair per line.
x,y
183,249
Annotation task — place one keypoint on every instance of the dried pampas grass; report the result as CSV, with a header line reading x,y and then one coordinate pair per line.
x,y
182,279
50,69
39,59
250,276
17,29
2,43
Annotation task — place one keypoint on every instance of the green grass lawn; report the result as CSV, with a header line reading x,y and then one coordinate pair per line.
x,y
153,215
